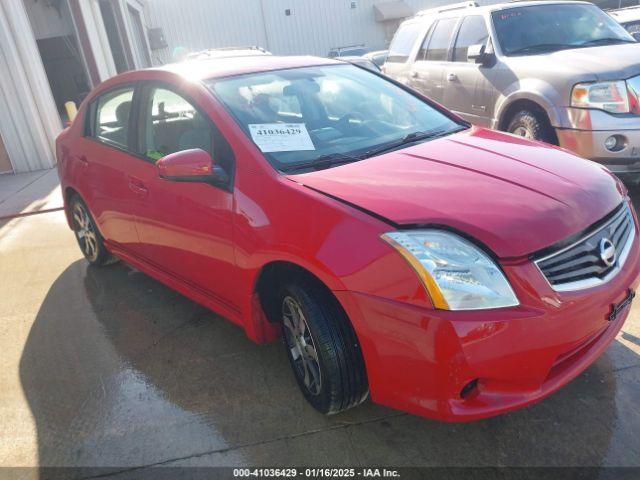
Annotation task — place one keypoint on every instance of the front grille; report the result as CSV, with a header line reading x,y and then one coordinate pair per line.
x,y
593,259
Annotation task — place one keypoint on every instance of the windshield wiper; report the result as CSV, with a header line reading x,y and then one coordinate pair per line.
x,y
606,41
323,161
407,139
542,48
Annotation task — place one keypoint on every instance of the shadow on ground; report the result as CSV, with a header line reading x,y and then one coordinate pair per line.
x,y
120,371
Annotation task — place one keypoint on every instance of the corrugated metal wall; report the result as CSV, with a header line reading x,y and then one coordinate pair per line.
x,y
314,26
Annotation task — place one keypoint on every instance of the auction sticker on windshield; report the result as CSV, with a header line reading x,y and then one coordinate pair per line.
x,y
281,137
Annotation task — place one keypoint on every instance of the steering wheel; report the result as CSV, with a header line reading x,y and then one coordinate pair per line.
x,y
344,120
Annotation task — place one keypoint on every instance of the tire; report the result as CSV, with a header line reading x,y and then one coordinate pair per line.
x,y
87,234
334,379
531,125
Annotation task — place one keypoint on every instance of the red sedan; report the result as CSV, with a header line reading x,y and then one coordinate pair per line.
x,y
449,271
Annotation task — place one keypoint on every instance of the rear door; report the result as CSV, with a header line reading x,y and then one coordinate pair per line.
x,y
468,84
403,45
105,153
427,74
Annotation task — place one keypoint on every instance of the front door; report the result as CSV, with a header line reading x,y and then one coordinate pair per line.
x,y
186,228
467,84
427,74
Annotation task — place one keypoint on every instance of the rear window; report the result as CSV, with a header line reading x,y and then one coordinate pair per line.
x,y
110,122
441,39
403,42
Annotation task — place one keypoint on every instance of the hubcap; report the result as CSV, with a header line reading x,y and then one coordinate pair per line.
x,y
85,232
301,345
523,132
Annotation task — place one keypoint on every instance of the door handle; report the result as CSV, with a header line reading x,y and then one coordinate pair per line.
x,y
451,77
136,186
415,75
83,159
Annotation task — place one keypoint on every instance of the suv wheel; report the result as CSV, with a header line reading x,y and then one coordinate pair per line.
x,y
87,234
530,125
322,348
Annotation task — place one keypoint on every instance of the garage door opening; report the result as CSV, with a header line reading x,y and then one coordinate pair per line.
x,y
59,49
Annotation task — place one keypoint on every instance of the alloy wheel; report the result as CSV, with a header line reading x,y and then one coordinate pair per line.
x,y
301,345
523,132
85,232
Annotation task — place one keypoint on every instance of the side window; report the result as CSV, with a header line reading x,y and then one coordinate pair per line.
x,y
112,113
441,39
472,32
173,124
403,42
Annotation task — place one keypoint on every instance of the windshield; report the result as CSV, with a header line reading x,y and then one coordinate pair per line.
x,y
300,115
547,28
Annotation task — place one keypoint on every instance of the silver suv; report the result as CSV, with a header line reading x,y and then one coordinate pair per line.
x,y
561,72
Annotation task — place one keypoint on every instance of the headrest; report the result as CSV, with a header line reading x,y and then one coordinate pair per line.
x,y
122,113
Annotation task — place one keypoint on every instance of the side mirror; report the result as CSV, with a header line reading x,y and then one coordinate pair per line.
x,y
478,54
193,165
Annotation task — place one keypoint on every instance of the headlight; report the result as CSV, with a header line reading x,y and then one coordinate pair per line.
x,y
456,273
608,96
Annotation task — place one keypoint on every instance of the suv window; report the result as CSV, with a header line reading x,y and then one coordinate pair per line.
x,y
403,42
111,119
174,124
441,39
472,32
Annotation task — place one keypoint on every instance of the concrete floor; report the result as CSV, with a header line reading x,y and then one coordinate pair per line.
x,y
106,367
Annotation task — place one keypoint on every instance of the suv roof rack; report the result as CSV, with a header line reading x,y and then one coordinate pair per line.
x,y
447,8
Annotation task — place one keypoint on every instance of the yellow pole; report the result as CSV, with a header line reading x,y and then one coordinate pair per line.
x,y
72,110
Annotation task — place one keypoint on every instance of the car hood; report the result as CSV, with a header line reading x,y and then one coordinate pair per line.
x,y
610,62
513,195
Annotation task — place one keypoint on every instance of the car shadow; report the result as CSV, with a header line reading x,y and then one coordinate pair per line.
x,y
120,371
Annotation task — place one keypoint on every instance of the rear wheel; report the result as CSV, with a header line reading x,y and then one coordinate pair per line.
x,y
87,234
531,125
322,348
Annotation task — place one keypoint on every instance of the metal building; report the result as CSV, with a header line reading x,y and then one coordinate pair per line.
x,y
54,51
286,27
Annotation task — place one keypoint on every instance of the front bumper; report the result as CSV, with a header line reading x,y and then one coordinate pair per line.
x,y
590,144
583,131
419,360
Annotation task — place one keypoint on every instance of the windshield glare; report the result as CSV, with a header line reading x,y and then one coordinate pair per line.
x,y
540,28
298,115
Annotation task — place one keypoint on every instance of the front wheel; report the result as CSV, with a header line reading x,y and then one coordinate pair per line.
x,y
532,126
322,348
87,234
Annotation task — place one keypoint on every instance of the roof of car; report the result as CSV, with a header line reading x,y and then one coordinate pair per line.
x,y
225,67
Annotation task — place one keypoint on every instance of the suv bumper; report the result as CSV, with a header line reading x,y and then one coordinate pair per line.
x,y
420,360
590,144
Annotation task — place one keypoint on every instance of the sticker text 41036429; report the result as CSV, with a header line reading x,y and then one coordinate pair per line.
x,y
281,137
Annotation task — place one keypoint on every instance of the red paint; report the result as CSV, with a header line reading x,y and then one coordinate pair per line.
x,y
185,164
511,195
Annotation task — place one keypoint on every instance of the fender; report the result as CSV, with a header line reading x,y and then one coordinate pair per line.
x,y
534,90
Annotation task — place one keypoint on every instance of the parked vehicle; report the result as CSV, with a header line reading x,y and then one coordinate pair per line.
x,y
451,271
227,52
378,57
629,18
362,62
350,51
562,72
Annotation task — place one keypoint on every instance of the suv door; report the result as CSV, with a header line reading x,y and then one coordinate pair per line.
x,y
427,74
468,84
105,154
398,65
186,228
